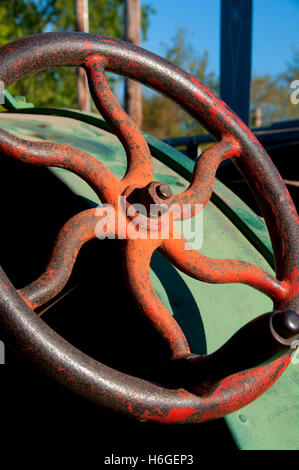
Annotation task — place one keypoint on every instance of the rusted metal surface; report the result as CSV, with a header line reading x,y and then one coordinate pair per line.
x,y
77,231
61,360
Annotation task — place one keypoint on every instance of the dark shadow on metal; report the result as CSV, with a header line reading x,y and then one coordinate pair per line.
x,y
185,309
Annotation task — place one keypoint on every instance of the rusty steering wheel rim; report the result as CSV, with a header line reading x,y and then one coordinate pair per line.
x,y
27,333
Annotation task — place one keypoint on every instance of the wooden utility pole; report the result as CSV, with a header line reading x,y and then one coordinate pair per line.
x,y
133,91
82,24
258,116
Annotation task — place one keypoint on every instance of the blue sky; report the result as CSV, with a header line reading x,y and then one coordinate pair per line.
x,y
275,29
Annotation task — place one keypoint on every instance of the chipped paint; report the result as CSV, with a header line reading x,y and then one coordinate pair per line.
x,y
53,354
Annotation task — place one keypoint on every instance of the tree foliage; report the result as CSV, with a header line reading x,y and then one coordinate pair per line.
x,y
20,18
161,116
272,94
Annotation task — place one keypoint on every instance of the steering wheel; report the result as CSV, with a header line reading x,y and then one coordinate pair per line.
x,y
197,388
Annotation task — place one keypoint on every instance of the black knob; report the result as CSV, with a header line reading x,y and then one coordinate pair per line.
x,y
286,323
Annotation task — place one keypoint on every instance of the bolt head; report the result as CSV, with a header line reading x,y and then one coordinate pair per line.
x,y
164,191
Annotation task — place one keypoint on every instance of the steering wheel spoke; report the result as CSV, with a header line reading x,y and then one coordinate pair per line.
x,y
74,234
137,257
203,178
222,271
89,168
139,167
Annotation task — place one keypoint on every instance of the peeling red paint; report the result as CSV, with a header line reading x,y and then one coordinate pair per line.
x,y
175,415
234,140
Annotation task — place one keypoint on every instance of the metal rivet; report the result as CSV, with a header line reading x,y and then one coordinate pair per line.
x,y
243,418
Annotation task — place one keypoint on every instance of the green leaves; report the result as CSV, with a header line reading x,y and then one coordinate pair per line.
x,y
271,94
161,116
21,18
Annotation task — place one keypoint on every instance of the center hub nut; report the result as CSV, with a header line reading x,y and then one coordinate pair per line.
x,y
163,191
159,196
156,197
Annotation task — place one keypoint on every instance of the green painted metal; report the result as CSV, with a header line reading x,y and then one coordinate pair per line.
x,y
14,103
209,314
237,211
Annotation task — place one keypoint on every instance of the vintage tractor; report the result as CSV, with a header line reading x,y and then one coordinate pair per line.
x,y
138,325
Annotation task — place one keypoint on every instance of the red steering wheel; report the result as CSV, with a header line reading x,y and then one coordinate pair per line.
x,y
206,387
